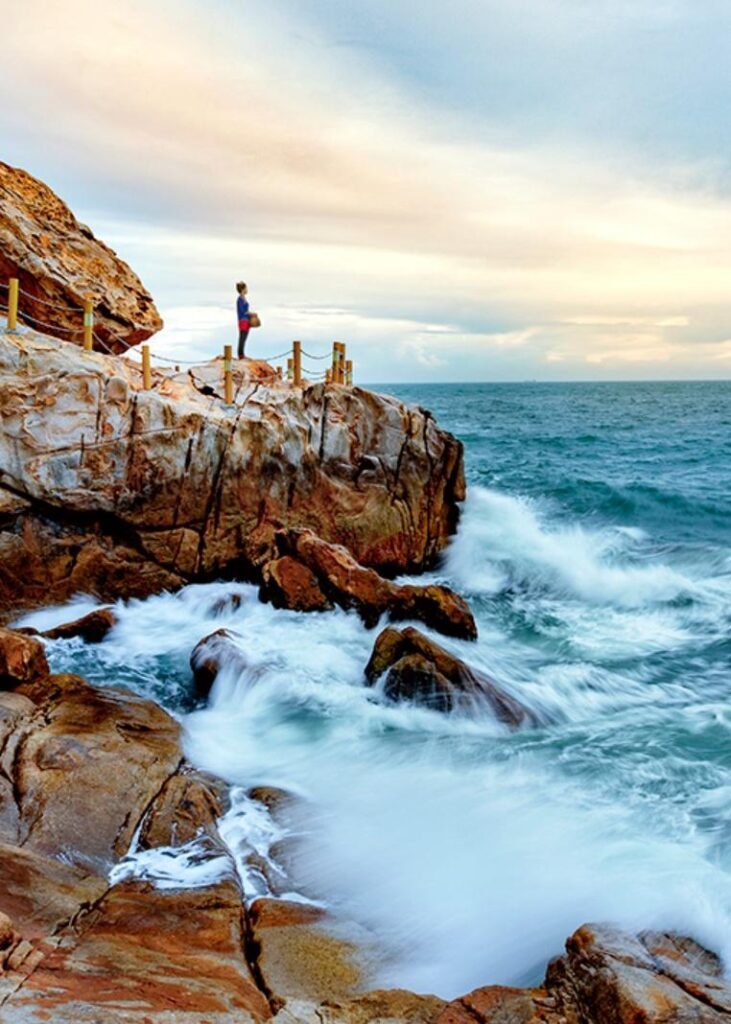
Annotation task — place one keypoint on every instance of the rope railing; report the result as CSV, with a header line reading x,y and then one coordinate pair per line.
x,y
339,372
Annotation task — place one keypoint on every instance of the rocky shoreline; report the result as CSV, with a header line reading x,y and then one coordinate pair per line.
x,y
89,774
320,495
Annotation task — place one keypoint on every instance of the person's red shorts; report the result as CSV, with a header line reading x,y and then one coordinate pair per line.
x,y
243,325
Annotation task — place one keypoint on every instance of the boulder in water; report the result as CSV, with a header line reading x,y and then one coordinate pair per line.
x,y
343,580
213,653
419,669
287,583
58,262
22,659
92,628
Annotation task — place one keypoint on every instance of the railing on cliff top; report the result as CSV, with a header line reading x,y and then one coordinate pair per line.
x,y
339,372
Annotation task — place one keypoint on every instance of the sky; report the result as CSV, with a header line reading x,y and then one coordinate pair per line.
x,y
482,190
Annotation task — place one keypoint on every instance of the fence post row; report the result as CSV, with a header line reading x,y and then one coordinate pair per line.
x,y
13,304
228,374
341,371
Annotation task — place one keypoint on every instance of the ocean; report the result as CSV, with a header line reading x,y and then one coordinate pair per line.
x,y
595,550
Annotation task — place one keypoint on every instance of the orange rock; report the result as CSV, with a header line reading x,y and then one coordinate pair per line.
x,y
22,659
287,583
340,577
299,954
143,955
92,628
86,764
73,264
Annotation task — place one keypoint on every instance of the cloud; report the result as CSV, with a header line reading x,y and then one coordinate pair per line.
x,y
209,143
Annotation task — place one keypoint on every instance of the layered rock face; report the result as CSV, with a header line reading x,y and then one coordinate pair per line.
x,y
58,262
109,489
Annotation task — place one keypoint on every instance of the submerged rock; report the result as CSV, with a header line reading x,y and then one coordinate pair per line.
x,y
112,490
335,575
22,659
420,670
211,655
58,262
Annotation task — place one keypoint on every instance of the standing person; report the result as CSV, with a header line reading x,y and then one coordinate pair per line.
x,y
243,316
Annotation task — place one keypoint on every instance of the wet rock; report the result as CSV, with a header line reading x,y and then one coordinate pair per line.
x,y
46,560
92,628
393,1006
299,954
340,578
22,659
116,491
610,977
496,1004
414,677
287,583
59,262
83,766
280,803
419,669
211,655
143,954
188,805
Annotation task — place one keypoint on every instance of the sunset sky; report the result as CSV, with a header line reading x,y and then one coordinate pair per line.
x,y
479,190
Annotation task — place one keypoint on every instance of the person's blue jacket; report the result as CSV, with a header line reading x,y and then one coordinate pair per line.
x,y
242,310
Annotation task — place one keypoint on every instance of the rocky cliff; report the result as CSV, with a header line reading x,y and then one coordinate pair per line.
x,y
109,489
58,262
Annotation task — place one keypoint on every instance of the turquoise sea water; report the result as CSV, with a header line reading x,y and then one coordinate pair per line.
x,y
595,549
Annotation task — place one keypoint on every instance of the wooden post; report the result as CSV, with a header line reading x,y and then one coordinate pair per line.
x,y
88,323
12,304
334,370
349,372
290,368
228,374
328,376
146,368
297,362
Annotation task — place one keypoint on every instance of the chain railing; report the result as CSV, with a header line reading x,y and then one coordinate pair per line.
x,y
339,372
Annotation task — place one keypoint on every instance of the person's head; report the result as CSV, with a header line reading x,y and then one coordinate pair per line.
x,y
241,288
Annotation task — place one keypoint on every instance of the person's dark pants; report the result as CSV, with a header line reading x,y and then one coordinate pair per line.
x,y
243,335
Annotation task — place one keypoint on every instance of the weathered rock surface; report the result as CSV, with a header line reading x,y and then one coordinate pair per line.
x,y
112,490
299,956
80,765
419,669
287,583
334,576
22,659
610,977
58,262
